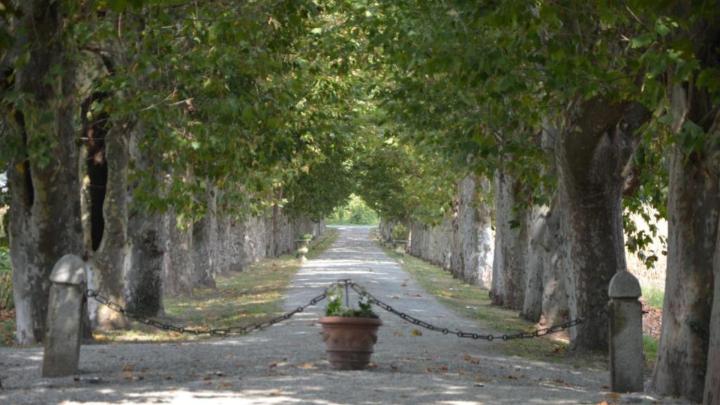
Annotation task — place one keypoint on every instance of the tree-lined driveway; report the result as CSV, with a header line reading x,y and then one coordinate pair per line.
x,y
286,363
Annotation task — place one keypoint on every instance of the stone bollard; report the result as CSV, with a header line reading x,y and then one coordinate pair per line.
x,y
626,342
64,322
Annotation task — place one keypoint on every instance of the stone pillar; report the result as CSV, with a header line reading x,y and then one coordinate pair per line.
x,y
64,323
626,343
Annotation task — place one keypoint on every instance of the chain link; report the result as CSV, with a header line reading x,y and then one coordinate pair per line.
x,y
245,329
231,330
459,333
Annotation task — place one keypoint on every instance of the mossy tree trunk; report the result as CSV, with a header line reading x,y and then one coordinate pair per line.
x,y
591,154
45,192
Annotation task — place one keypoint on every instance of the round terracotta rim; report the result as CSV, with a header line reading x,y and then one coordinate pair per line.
x,y
337,320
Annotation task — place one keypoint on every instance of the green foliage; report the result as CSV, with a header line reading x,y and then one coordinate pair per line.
x,y
400,232
6,286
654,297
354,212
336,306
650,351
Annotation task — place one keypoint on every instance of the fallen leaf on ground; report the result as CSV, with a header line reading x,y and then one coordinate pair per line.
x,y
416,332
307,366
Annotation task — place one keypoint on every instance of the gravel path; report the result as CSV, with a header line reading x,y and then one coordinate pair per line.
x,y
286,363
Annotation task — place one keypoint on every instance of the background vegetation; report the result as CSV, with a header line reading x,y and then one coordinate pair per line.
x,y
354,212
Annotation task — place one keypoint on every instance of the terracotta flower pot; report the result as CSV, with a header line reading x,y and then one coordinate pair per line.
x,y
349,341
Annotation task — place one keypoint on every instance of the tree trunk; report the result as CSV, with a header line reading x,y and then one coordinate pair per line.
x,y
693,209
511,228
591,154
203,241
474,232
556,269
45,192
110,261
178,262
693,212
536,265
143,278
147,238
712,376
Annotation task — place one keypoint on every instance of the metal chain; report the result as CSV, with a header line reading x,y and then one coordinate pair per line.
x,y
232,330
459,333
245,329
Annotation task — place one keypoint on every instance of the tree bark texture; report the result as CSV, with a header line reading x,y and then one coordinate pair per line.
x,y
147,237
462,243
474,231
178,267
693,215
693,210
511,244
110,261
204,238
143,278
45,192
536,265
712,376
591,154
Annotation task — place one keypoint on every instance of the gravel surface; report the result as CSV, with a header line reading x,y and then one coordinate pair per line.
x,y
286,363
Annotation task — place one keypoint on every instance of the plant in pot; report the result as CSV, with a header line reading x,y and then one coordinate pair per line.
x,y
303,246
349,333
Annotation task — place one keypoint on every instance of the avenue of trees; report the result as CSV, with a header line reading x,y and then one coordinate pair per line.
x,y
120,116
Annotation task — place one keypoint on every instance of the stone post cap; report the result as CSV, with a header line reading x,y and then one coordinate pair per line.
x,y
70,269
624,285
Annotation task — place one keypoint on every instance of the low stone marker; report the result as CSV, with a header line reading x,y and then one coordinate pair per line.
x,y
626,344
64,323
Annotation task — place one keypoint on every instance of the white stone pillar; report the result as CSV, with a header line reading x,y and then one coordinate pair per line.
x,y
64,323
626,336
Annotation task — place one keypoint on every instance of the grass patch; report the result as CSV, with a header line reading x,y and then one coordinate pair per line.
x,y
474,302
7,313
243,298
650,349
654,297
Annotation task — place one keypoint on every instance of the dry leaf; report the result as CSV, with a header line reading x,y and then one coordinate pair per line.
x,y
416,332
307,366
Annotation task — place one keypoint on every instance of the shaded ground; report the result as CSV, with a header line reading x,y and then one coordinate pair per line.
x,y
286,363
